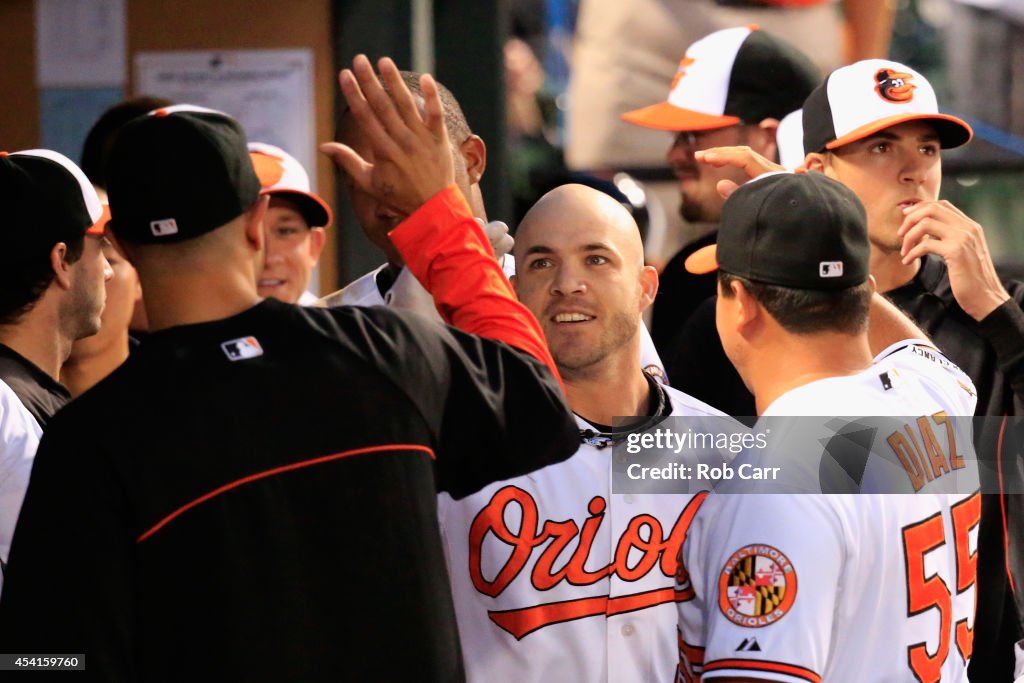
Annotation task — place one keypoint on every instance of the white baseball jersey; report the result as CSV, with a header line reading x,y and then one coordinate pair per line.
x,y
557,579
843,588
364,292
19,438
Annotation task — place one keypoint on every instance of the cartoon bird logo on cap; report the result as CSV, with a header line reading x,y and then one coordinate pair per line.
x,y
894,86
681,72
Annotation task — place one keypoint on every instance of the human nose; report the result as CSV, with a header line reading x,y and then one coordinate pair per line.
x,y
271,253
567,280
914,167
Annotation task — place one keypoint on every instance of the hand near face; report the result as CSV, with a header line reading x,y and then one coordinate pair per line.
x,y
497,235
938,227
742,157
412,155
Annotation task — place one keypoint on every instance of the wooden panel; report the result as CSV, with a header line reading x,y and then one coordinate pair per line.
x,y
19,117
242,24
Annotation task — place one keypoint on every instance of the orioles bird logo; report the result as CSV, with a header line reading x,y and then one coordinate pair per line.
x,y
683,63
894,86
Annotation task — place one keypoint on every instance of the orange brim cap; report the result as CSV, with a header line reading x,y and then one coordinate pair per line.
x,y
99,226
953,131
314,209
702,261
667,116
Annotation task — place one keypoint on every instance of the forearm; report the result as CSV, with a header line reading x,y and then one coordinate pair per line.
x,y
1004,329
447,251
868,29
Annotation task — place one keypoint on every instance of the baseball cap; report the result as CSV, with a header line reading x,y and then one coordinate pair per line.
x,y
178,173
47,199
101,224
732,76
863,98
789,138
802,231
281,174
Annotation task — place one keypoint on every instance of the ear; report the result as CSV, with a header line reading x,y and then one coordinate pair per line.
x,y
474,152
748,311
317,239
254,222
648,286
873,283
61,268
768,146
816,161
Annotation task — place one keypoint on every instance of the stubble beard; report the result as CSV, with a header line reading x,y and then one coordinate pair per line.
x,y
575,361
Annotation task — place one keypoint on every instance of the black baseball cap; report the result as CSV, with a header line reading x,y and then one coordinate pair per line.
x,y
863,98
46,199
801,231
732,76
178,173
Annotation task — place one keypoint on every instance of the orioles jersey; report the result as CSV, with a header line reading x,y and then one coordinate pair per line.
x,y
557,579
839,587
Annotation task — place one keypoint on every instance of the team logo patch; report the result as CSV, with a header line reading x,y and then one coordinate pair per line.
x,y
242,348
757,586
168,226
681,72
830,269
894,86
749,645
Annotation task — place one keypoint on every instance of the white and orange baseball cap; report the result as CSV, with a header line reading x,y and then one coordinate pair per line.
x,y
736,75
100,225
863,98
789,138
281,174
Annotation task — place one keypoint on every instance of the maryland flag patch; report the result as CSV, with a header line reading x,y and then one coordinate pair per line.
x,y
757,586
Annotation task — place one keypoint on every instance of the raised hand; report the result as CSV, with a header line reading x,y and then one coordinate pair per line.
x,y
938,227
741,157
412,154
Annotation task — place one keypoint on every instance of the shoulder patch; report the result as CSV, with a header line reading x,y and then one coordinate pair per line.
x,y
242,348
757,586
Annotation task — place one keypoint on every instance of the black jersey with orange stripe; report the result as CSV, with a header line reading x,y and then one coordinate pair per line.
x,y
270,513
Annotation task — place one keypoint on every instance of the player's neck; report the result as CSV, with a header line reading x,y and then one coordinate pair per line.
x,y
615,387
37,336
84,369
186,299
796,360
889,270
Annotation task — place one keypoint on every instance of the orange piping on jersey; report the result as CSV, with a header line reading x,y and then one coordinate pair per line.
x,y
1002,504
521,622
275,471
773,667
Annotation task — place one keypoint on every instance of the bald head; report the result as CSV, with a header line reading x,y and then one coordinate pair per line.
x,y
580,269
581,211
